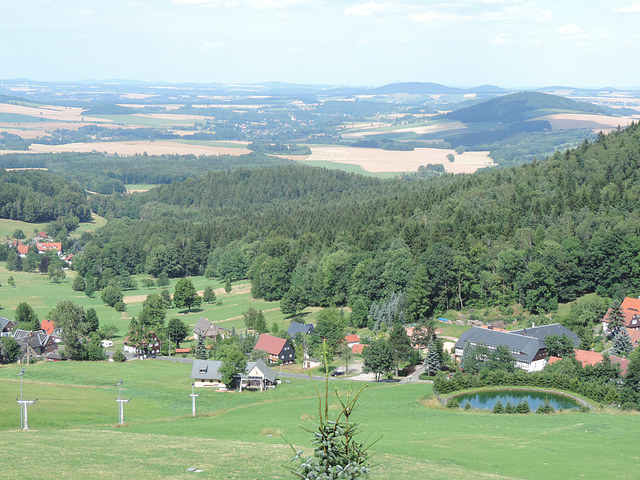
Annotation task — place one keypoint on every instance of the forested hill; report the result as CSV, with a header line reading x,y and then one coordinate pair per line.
x,y
34,196
519,107
535,234
104,175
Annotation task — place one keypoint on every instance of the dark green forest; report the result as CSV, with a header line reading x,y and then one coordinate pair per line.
x,y
34,196
101,173
537,234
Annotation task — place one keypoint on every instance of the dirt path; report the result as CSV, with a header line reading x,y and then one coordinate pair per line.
x,y
237,289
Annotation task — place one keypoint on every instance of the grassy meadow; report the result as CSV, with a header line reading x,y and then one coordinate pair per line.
x,y
43,295
242,435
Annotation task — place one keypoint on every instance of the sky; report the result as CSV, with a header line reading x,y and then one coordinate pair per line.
x,y
509,43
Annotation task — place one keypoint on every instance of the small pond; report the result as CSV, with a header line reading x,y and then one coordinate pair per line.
x,y
487,399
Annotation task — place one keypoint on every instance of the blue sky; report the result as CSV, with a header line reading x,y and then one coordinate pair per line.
x,y
510,43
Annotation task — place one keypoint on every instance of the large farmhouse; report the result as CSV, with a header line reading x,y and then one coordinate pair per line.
x,y
278,348
205,373
204,328
526,346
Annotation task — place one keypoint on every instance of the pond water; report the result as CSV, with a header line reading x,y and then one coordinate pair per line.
x,y
487,399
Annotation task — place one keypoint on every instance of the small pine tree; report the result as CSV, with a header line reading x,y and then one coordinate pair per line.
x,y
201,350
509,408
432,361
11,281
89,287
622,345
227,286
616,318
498,408
467,406
208,296
523,407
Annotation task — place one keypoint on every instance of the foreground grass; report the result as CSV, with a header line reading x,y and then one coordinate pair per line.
x,y
76,413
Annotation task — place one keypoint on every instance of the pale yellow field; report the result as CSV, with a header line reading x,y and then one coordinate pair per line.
x,y
50,112
137,147
566,121
378,161
434,128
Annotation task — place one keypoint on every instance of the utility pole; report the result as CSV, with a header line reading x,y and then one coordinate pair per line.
x,y
24,416
169,346
193,401
121,401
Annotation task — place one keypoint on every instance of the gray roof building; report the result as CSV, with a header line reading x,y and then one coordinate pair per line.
x,y
526,346
296,328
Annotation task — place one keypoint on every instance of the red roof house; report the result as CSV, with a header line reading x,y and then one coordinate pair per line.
x,y
357,348
278,348
587,357
631,309
47,326
44,246
352,340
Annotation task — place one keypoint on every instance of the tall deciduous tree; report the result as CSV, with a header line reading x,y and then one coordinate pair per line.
x,y
26,318
378,358
177,330
234,363
185,295
70,319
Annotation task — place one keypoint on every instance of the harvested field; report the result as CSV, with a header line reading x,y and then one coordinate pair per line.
x,y
421,130
597,123
136,147
50,112
174,116
378,161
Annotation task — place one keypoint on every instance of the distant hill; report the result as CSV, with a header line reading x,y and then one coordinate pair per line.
x,y
519,107
415,88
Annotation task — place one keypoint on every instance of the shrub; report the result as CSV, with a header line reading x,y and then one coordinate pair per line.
x,y
119,357
120,306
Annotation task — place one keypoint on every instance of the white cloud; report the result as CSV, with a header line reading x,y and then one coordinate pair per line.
x,y
206,3
570,30
502,39
209,46
632,8
431,17
368,9
276,4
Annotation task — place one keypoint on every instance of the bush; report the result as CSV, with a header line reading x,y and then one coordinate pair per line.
x,y
453,403
119,357
120,306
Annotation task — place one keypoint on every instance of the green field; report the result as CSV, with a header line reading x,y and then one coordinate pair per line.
x,y
240,435
349,168
38,291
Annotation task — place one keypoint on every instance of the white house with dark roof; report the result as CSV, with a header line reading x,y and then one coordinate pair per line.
x,y
205,328
205,373
526,346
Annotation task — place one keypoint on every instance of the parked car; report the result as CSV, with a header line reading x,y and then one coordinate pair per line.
x,y
337,372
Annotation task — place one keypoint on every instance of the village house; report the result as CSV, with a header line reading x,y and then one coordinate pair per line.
x,y
6,327
278,349
144,348
631,310
204,328
36,345
303,328
526,346
587,357
205,373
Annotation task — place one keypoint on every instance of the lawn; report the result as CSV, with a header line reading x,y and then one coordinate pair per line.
x,y
240,435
